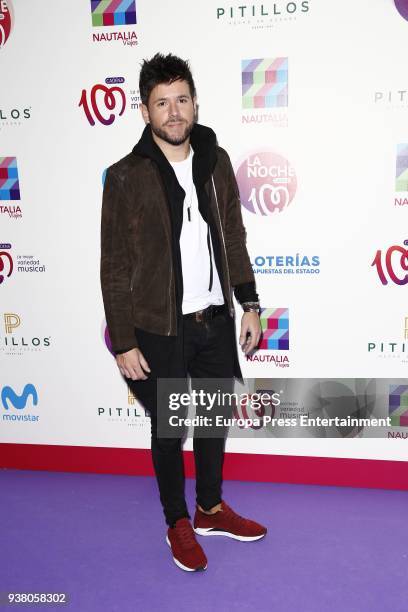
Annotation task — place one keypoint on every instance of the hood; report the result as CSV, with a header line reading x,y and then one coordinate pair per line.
x,y
203,142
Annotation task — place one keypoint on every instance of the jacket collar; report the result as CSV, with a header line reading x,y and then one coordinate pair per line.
x,y
203,142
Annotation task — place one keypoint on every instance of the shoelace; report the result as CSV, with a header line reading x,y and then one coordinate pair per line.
x,y
237,518
186,535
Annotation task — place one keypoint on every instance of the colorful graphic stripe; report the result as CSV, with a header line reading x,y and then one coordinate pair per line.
x,y
9,185
398,405
275,329
401,183
265,83
113,12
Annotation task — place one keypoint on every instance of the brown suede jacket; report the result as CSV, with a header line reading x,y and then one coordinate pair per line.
x,y
137,269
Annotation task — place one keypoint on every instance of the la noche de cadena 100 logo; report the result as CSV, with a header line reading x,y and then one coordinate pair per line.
x,y
267,183
392,264
5,22
402,8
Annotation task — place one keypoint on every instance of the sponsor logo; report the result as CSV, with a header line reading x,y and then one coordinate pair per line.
x,y
274,337
402,8
113,13
128,38
394,261
275,329
265,83
106,338
111,97
14,402
286,264
12,116
252,411
12,211
398,435
6,21
391,98
132,415
9,187
28,263
6,262
265,86
398,405
104,103
13,343
258,15
401,175
24,263
395,349
401,179
267,183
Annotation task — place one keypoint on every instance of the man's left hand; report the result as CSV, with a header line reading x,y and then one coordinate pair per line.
x,y
251,325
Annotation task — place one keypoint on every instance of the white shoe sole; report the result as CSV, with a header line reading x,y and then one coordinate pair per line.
x,y
180,565
210,532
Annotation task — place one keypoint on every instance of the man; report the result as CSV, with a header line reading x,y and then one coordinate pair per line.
x,y
172,250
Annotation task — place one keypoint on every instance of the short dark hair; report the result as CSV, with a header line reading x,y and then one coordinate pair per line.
x,y
164,69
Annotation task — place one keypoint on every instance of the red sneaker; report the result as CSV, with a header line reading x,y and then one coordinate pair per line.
x,y
187,552
227,523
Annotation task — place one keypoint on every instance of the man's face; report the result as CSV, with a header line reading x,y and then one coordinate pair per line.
x,y
171,112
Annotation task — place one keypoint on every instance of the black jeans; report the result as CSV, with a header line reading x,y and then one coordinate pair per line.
x,y
208,353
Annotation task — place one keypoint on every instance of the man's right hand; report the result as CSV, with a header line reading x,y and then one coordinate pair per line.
x,y
133,365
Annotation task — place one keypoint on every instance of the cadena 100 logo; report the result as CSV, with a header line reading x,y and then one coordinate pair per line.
x,y
102,100
392,262
267,183
5,22
6,269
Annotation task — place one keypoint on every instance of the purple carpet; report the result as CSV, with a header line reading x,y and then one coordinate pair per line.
x,y
101,539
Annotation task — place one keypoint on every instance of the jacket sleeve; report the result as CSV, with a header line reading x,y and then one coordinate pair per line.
x,y
242,276
114,266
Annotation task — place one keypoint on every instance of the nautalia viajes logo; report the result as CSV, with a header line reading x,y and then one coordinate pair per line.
x,y
9,187
265,91
111,13
401,176
274,337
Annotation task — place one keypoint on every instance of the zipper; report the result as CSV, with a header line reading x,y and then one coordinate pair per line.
x,y
132,279
169,240
171,278
223,244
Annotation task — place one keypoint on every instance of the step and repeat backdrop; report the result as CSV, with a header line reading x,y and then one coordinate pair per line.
x,y
310,99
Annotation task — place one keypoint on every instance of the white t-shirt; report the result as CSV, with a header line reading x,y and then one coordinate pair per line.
x,y
195,258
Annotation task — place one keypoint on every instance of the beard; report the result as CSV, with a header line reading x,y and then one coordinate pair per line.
x,y
173,140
